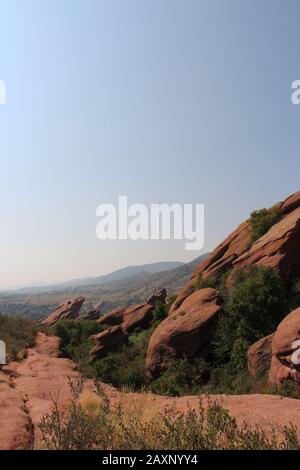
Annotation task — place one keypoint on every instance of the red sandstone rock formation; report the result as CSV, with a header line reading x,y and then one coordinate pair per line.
x,y
286,350
259,355
68,310
278,248
186,331
108,340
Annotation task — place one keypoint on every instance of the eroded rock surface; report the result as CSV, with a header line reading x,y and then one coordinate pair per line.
x,y
286,350
259,355
68,310
186,331
108,340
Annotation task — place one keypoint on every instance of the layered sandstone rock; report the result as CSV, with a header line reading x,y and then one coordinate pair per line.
x,y
68,310
220,261
134,316
286,350
186,331
108,340
291,203
226,253
130,317
278,248
259,355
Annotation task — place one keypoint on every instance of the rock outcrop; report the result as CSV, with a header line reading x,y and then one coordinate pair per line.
x,y
186,331
130,317
134,316
93,314
259,356
108,340
286,350
223,257
68,310
158,297
27,389
123,321
278,248
16,427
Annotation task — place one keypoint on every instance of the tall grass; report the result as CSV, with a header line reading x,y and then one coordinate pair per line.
x,y
92,422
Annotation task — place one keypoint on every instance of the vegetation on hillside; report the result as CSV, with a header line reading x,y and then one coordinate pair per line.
x,y
18,334
262,220
254,305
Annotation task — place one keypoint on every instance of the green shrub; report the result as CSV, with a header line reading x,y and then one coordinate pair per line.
x,y
261,221
203,282
184,377
125,368
75,343
255,306
18,334
160,312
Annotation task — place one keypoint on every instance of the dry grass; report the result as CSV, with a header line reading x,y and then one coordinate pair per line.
x,y
132,423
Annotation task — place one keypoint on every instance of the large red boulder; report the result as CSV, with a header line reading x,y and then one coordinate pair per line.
x,y
259,355
69,310
107,341
135,316
130,317
186,332
286,350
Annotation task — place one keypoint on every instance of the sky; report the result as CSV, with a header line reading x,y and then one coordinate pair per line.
x,y
168,101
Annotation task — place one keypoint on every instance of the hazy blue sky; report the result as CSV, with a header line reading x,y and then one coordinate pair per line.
x,y
162,100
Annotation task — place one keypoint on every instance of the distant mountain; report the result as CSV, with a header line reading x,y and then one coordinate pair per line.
x,y
117,275
124,273
125,286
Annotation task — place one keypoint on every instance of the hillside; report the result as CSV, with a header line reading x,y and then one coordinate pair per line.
x,y
129,285
232,328
226,346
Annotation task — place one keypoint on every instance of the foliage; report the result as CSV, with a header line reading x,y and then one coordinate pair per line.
x,y
76,430
254,308
203,282
262,220
125,368
18,334
102,426
75,343
181,378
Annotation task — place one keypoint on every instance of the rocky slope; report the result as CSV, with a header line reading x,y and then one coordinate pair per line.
x,y
277,248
